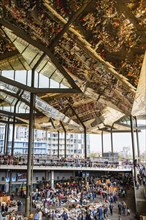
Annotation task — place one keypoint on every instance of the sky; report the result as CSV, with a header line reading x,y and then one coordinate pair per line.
x,y
120,140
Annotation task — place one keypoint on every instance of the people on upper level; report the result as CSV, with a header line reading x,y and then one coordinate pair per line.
x,y
66,162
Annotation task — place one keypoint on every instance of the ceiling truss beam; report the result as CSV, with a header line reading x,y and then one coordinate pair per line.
x,y
20,33
37,90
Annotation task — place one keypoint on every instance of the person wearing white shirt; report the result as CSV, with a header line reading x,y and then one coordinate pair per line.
x,y
40,214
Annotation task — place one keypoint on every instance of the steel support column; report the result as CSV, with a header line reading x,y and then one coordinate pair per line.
x,y
28,203
14,120
102,146
65,145
30,150
85,142
112,148
65,148
10,182
137,139
7,137
13,133
58,153
133,145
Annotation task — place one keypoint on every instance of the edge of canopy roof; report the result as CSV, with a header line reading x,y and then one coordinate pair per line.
x,y
139,105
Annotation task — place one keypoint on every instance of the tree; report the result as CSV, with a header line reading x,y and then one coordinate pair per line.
x,y
95,155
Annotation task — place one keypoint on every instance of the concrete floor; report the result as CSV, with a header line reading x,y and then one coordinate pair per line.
x,y
130,201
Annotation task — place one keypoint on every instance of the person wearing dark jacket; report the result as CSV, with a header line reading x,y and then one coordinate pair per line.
x,y
64,215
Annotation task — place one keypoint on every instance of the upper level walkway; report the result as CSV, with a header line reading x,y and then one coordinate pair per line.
x,y
67,168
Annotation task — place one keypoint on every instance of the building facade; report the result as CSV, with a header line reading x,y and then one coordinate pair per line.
x,y
46,142
2,137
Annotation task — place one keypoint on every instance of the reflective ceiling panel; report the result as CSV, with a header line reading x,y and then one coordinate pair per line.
x,y
31,54
139,105
16,62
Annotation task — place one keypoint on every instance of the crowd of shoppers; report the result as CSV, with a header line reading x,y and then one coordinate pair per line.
x,y
141,176
94,198
89,198
77,197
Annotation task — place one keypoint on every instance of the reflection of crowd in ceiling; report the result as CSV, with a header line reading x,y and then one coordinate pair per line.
x,y
109,30
112,28
5,45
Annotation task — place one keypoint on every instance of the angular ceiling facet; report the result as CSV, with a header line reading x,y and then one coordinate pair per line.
x,y
32,55
139,105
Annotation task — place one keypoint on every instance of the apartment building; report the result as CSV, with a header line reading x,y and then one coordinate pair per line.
x,y
45,142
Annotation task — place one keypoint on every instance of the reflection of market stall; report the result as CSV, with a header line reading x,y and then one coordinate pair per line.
x,y
7,205
46,160
4,198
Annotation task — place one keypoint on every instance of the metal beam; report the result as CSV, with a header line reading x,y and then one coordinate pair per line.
x,y
11,122
7,137
30,151
112,147
102,146
19,115
37,90
54,90
74,17
118,131
20,33
65,148
58,153
133,145
14,117
13,136
137,139
14,83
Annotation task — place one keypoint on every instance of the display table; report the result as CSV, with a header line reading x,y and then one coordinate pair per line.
x,y
4,199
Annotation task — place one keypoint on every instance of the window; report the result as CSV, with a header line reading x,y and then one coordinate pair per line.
x,y
36,178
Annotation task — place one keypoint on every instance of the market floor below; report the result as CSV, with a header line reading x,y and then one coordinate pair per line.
x,y
129,199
